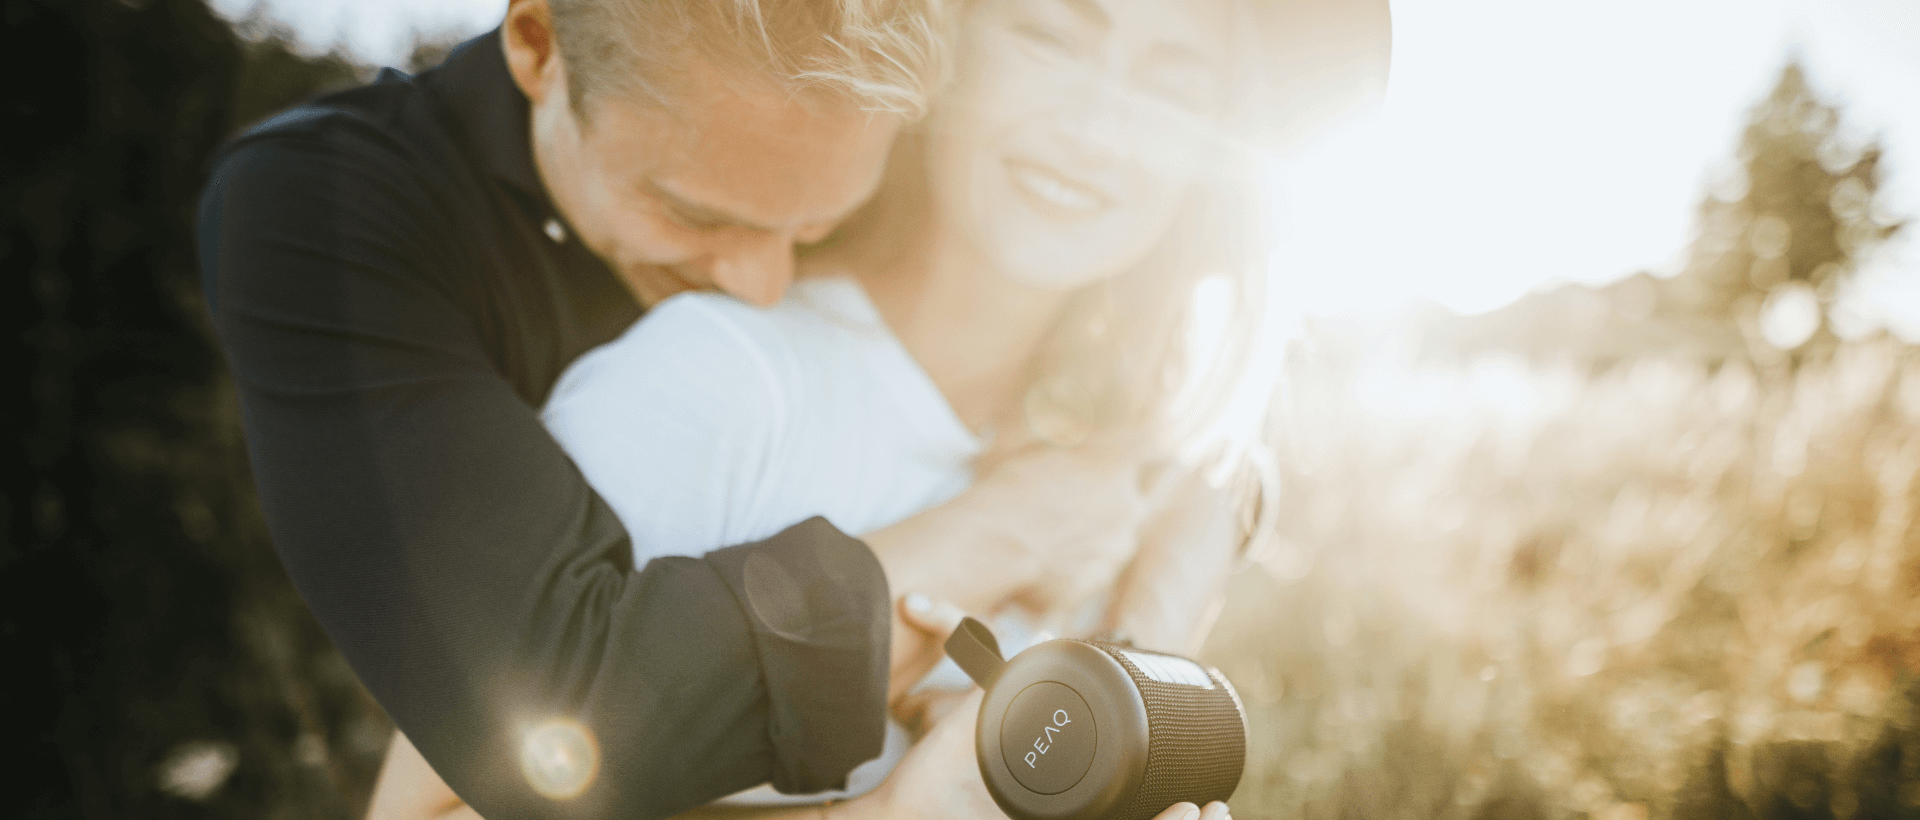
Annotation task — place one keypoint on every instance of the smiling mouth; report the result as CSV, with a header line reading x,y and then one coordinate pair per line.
x,y
1055,191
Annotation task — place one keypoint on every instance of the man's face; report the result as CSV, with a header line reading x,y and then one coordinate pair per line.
x,y
714,193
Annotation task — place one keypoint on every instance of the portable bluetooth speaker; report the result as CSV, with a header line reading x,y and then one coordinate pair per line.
x,y
1083,730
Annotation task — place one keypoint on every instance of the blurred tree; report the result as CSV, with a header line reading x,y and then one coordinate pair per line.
x,y
1780,232
162,663
430,50
1784,228
276,72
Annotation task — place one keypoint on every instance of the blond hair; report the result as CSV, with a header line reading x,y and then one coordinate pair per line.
x,y
881,55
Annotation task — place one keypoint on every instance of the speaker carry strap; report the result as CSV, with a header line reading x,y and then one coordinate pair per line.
x,y
974,648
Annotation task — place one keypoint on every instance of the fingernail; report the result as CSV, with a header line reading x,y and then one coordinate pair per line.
x,y
918,603
1192,814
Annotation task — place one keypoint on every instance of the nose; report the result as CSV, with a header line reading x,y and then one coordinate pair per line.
x,y
1093,122
756,269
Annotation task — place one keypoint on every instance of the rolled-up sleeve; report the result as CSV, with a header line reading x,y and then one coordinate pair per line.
x,y
812,640
475,582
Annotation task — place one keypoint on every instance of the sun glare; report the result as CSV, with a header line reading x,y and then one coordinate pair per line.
x,y
1526,144
560,758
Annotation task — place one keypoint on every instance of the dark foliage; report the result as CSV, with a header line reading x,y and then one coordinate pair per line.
x,y
162,663
276,74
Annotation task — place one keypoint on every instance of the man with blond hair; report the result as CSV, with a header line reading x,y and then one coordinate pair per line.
x,y
399,273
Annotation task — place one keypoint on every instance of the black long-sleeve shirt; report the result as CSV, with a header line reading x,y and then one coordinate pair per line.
x,y
396,295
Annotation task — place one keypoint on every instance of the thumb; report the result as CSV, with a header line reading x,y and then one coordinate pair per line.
x,y
930,615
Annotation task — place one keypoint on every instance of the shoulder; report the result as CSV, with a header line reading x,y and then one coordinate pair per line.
x,y
696,353
393,114
675,422
695,331
342,188
360,144
373,153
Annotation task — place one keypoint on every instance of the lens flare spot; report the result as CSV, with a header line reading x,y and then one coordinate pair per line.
x,y
560,758
1790,316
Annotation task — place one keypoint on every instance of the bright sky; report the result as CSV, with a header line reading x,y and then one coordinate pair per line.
x,y
380,32
1523,142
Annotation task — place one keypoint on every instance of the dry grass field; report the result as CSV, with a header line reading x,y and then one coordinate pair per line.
x,y
1663,590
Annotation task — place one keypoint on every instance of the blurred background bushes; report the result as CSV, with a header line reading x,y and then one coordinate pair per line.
x,y
1668,590
161,662
1645,550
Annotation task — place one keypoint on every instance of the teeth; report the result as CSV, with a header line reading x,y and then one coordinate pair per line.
x,y
1055,191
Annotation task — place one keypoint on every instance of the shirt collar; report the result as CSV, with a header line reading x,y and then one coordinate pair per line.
x,y
490,110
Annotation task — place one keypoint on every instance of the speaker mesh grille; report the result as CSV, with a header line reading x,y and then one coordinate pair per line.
x,y
1196,742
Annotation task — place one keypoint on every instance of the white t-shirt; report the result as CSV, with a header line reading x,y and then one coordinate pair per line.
x,y
711,422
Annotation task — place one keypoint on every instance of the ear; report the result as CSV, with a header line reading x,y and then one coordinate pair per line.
x,y
532,56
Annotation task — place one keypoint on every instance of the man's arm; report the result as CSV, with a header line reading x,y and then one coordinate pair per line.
x,y
474,581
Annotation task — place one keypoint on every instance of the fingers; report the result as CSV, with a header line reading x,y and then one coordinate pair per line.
x,y
957,722
1180,811
918,640
1187,811
935,617
920,710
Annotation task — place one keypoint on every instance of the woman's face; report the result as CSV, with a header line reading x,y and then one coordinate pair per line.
x,y
1075,130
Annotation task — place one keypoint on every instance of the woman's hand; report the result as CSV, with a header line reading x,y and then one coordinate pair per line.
x,y
940,778
1071,517
1188,811
1051,517
1049,527
937,780
1167,599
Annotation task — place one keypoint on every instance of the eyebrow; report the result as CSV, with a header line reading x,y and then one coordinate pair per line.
x,y
1091,10
696,212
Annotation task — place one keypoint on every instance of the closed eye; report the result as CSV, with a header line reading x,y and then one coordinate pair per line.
x,y
691,215
691,222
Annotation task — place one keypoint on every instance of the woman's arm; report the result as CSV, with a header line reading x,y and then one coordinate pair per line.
x,y
1171,594
409,789
1055,526
1049,526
